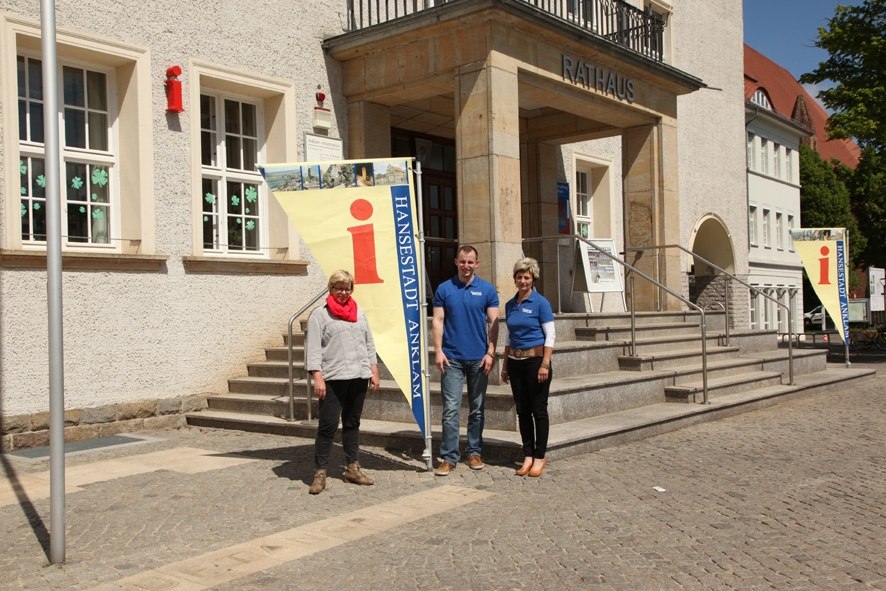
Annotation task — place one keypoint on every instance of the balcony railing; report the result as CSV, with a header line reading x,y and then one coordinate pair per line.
x,y
641,31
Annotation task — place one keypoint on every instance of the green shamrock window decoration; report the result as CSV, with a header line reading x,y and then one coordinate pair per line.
x,y
205,218
247,210
251,194
239,221
24,210
99,177
94,197
36,205
41,181
235,201
250,225
210,198
98,214
76,182
82,209
22,167
24,190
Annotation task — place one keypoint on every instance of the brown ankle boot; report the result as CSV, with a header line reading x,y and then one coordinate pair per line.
x,y
354,475
319,483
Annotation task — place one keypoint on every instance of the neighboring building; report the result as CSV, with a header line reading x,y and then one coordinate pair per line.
x,y
773,165
780,116
179,265
790,99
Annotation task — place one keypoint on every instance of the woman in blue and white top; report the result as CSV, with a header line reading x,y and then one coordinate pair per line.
x,y
527,363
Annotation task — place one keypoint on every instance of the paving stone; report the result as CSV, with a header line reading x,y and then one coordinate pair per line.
x,y
786,497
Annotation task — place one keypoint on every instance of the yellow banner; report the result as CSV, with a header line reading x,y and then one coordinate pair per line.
x,y
360,216
823,252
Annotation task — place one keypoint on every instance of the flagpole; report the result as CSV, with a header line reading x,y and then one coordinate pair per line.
x,y
846,293
426,399
54,286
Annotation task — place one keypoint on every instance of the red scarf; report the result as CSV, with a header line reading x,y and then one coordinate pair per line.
x,y
346,312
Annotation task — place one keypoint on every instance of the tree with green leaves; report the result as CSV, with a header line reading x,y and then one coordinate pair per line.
x,y
867,189
824,200
855,40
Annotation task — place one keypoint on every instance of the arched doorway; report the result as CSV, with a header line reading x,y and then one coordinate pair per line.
x,y
712,242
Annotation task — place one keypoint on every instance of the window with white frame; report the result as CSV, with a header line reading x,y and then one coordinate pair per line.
x,y
86,141
766,308
776,160
752,225
766,228
789,165
582,203
232,194
751,152
106,157
753,309
760,98
764,156
779,231
781,314
245,119
789,228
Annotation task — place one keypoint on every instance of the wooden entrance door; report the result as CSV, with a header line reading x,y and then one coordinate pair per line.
x,y
441,225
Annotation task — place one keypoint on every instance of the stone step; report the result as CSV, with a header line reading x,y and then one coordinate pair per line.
x,y
282,354
777,361
693,391
670,358
623,333
255,404
568,322
566,439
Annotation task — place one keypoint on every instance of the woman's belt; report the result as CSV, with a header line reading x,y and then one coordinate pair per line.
x,y
527,353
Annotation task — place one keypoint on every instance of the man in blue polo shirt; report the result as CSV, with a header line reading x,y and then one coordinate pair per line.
x,y
464,307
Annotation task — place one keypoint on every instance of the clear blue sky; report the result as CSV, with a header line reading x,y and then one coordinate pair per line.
x,y
785,30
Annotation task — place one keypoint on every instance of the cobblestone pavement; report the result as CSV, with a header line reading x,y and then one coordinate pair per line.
x,y
789,497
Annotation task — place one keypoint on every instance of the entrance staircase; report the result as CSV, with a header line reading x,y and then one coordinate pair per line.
x,y
601,395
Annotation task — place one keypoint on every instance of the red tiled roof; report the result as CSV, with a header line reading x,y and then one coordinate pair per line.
x,y
789,99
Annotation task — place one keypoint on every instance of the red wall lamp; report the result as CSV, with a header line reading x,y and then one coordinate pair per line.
x,y
174,90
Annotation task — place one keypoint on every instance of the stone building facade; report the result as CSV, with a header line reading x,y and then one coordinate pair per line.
x,y
178,264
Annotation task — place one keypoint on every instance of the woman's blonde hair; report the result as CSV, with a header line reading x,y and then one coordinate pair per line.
x,y
340,276
527,264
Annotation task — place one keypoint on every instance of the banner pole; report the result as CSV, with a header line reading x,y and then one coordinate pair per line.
x,y
845,292
427,455
54,286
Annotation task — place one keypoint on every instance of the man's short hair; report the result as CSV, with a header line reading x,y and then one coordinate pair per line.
x,y
467,248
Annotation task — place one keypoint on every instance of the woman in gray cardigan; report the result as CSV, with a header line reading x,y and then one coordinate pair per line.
x,y
342,362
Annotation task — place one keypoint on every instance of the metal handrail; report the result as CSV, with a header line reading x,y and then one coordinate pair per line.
x,y
292,319
634,271
754,290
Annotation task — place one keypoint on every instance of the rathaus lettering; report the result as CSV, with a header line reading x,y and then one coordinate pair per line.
x,y
603,80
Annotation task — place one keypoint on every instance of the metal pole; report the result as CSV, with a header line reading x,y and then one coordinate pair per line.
x,y
704,356
634,318
559,291
427,455
54,287
726,310
790,338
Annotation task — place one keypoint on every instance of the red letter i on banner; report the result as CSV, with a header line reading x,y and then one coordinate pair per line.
x,y
824,267
363,241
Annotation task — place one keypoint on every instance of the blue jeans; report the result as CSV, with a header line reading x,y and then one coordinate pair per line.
x,y
453,380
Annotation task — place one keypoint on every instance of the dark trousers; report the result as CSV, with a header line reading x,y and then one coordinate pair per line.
x,y
344,400
531,400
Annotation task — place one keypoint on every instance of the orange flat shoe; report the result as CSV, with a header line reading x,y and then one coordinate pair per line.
x,y
538,467
524,469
